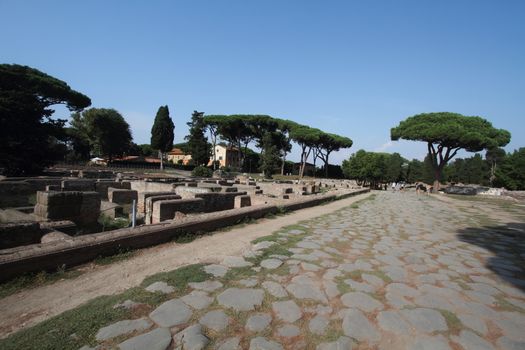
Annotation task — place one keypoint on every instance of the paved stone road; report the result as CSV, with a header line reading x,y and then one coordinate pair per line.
x,y
398,272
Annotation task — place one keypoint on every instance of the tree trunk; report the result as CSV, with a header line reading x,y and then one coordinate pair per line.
x,y
161,160
282,164
437,176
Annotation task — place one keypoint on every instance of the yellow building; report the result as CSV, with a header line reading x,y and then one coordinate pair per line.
x,y
227,156
177,156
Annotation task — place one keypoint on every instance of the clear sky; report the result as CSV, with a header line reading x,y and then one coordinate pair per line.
x,y
354,68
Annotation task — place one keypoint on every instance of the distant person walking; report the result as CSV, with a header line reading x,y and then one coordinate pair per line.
x,y
394,186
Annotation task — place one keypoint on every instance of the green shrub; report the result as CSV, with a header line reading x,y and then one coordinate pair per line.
x,y
202,171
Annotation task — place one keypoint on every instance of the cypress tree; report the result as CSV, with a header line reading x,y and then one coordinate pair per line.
x,y
162,133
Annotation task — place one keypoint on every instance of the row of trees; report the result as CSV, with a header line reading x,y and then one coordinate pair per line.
x,y
497,169
274,137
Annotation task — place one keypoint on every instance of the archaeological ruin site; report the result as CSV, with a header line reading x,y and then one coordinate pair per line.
x,y
53,221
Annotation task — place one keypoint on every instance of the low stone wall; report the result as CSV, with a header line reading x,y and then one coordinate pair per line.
x,y
86,248
149,186
218,201
19,233
151,200
78,185
165,209
102,187
121,196
83,208
142,196
243,201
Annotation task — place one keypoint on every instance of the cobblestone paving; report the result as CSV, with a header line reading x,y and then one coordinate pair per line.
x,y
397,272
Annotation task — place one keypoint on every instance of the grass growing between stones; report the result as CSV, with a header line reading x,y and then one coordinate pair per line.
x,y
77,327
504,305
453,322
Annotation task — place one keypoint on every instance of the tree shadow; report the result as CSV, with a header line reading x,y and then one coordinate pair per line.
x,y
507,243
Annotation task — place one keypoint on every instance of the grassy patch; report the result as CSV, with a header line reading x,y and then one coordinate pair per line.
x,y
179,278
34,280
77,327
109,224
122,254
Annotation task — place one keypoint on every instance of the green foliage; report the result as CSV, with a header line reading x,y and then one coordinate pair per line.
x,y
241,130
373,168
162,131
202,171
511,173
29,138
446,133
105,130
146,150
473,170
270,159
198,145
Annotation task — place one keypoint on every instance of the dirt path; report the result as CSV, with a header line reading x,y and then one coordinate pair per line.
x,y
28,307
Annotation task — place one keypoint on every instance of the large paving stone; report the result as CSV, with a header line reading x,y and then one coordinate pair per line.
x,y
391,321
235,261
303,287
161,287
471,341
288,331
425,320
197,299
258,322
473,322
361,301
157,339
216,320
343,343
171,313
287,311
357,326
191,338
506,343
216,270
425,342
123,327
207,286
230,344
318,325
241,299
271,264
274,289
261,343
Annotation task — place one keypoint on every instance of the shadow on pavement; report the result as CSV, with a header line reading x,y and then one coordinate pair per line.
x,y
507,243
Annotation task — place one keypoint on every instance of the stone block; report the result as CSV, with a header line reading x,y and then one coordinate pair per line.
x,y
121,196
242,201
102,187
165,209
287,190
83,208
142,196
218,201
153,199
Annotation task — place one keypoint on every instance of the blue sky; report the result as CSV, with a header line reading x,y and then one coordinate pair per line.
x,y
354,68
